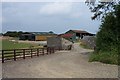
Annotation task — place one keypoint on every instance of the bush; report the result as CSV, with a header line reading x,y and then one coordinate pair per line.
x,y
108,39
104,57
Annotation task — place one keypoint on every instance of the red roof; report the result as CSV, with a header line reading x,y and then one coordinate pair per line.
x,y
66,35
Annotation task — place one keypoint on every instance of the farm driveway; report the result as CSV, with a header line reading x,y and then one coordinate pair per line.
x,y
62,64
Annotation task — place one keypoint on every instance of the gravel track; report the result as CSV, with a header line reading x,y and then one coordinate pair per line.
x,y
62,64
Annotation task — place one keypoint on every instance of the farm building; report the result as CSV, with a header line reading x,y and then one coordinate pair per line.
x,y
68,36
73,35
27,36
58,43
79,33
37,36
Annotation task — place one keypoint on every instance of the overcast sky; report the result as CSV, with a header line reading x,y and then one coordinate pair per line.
x,y
47,16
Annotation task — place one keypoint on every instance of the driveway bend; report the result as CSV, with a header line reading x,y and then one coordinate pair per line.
x,y
62,64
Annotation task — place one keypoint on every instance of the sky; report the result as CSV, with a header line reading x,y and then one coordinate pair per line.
x,y
58,17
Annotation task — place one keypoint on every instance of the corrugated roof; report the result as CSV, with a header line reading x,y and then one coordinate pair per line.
x,y
66,35
43,33
79,31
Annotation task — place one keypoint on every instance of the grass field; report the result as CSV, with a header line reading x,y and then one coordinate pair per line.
x,y
6,44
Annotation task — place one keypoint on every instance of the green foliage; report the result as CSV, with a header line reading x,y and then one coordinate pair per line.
x,y
105,57
101,8
108,39
108,35
14,33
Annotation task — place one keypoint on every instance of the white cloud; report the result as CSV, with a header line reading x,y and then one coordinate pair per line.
x,y
0,19
76,15
56,8
43,0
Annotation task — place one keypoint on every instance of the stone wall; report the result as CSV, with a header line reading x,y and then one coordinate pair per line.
x,y
89,41
58,43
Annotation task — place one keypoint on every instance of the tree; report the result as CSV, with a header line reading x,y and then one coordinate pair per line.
x,y
13,33
101,7
106,37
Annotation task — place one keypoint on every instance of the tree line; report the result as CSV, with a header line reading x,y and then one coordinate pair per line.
x,y
14,33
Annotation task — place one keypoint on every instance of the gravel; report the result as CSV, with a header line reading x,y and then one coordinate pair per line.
x,y
62,64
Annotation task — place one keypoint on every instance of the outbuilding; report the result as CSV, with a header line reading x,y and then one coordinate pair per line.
x,y
27,36
79,34
37,36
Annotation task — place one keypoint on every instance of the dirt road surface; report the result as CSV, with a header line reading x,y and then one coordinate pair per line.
x,y
62,64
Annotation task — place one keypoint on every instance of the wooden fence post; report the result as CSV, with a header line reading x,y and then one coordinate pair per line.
x,y
31,53
37,52
23,53
53,50
47,50
50,50
2,56
14,55
59,48
43,51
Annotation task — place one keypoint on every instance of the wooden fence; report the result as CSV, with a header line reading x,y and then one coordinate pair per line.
x,y
15,54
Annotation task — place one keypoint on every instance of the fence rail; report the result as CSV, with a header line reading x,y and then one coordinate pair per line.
x,y
15,54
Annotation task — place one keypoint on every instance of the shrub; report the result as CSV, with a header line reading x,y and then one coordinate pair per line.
x,y
104,57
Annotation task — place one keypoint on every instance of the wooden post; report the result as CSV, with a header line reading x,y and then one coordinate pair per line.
x,y
37,52
43,51
23,53
2,56
59,48
53,50
31,53
14,55
48,50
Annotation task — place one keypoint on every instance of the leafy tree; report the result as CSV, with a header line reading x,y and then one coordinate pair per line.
x,y
101,7
108,36
13,33
109,11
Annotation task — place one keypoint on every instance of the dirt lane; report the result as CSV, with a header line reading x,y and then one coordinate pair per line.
x,y
62,64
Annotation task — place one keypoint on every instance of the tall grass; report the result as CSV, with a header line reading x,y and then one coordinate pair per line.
x,y
104,57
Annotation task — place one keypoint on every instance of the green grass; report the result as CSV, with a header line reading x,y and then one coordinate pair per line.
x,y
104,57
6,44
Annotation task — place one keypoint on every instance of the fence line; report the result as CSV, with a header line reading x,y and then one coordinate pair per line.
x,y
15,54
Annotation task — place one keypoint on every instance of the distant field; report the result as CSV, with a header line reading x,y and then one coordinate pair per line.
x,y
8,44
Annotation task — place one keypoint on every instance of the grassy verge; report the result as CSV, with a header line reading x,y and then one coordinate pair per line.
x,y
6,44
104,57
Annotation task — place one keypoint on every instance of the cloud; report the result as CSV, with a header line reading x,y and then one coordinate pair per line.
x,y
56,8
76,15
54,16
0,19
43,0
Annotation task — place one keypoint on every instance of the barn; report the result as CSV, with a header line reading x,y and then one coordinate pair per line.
x,y
73,35
68,36
79,33
27,36
37,36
